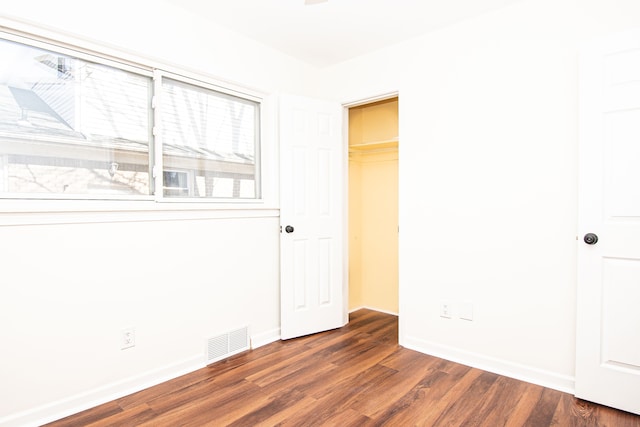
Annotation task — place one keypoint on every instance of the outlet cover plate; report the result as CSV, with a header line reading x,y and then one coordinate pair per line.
x,y
466,310
127,338
445,309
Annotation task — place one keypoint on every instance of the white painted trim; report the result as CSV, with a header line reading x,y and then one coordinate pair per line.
x,y
15,29
92,398
63,408
118,214
345,142
375,98
265,338
553,380
345,215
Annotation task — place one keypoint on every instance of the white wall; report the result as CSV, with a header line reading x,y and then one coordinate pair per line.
x,y
68,290
159,30
488,179
71,280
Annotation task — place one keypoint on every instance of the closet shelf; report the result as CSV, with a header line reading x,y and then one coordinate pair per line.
x,y
374,145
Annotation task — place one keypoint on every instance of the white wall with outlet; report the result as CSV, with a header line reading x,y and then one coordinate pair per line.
x,y
75,281
103,308
488,180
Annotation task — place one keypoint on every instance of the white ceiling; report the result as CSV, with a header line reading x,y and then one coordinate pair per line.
x,y
327,33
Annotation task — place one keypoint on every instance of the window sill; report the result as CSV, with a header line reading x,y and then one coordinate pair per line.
x,y
14,212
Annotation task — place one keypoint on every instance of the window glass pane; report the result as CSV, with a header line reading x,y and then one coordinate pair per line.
x,y
212,139
69,126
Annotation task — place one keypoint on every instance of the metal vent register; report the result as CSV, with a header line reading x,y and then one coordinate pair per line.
x,y
227,344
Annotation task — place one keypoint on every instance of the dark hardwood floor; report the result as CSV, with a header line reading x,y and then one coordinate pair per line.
x,y
353,376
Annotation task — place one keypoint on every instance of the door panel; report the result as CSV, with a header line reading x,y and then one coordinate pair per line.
x,y
608,319
621,318
312,181
621,159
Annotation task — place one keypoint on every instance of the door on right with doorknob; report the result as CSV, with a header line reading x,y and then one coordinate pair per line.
x,y
608,295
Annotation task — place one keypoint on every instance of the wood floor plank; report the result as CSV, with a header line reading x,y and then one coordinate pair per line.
x,y
91,416
374,401
545,409
283,357
141,397
303,357
366,358
581,413
567,409
339,394
356,375
462,408
221,408
269,409
301,379
356,378
182,397
402,357
282,418
423,402
286,368
499,402
409,409
131,417
349,418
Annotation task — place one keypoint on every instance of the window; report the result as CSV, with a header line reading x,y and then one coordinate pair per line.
x,y
78,126
71,127
177,183
213,136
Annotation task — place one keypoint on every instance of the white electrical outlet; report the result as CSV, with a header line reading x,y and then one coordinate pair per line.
x,y
127,338
445,309
466,310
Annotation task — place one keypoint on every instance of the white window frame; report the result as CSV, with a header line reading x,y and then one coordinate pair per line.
x,y
156,71
190,180
107,60
158,76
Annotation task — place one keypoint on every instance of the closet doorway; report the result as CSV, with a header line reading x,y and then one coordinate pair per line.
x,y
373,206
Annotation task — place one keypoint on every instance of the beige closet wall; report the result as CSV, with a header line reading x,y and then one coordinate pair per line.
x,y
373,206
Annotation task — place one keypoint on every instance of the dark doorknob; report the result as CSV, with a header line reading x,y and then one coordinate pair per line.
x,y
590,239
288,229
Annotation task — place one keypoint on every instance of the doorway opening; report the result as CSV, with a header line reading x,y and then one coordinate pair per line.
x,y
373,206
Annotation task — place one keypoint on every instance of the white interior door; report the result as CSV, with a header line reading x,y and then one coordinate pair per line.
x,y
311,217
608,320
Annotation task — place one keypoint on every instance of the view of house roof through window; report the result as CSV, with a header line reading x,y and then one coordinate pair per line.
x,y
68,126
74,127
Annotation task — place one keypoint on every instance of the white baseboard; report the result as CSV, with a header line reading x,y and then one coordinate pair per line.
x,y
80,402
63,408
92,398
265,338
553,380
72,405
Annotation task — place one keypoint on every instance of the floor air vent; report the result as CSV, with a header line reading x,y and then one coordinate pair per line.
x,y
228,344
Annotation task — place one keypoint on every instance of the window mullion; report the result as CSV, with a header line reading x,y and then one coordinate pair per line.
x,y
158,166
